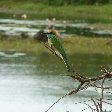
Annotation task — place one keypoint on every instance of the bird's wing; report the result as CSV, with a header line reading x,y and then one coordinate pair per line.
x,y
55,42
57,47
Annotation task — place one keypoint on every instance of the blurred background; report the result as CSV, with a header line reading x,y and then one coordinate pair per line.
x,y
31,77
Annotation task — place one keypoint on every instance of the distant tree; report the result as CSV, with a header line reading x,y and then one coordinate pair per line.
x,y
103,1
55,2
74,2
65,2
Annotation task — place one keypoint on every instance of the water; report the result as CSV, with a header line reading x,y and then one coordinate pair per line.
x,y
15,28
32,84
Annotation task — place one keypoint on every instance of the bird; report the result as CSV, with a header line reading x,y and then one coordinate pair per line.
x,y
56,46
53,43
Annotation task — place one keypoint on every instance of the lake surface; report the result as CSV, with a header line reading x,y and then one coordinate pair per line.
x,y
15,28
34,83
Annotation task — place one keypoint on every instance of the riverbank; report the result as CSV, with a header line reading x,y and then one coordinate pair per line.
x,y
88,13
72,45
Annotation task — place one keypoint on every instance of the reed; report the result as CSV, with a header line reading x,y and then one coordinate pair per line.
x,y
72,45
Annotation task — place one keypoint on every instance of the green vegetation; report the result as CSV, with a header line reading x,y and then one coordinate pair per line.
x,y
89,45
74,2
66,2
26,45
37,10
72,45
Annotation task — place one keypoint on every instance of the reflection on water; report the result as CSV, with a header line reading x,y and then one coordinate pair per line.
x,y
13,27
11,54
32,84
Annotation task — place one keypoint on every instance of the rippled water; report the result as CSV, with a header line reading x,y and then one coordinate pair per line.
x,y
13,27
32,84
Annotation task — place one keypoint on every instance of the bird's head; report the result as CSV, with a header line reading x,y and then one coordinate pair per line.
x,y
53,31
41,36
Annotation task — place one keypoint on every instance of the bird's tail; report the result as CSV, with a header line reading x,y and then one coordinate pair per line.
x,y
67,65
64,59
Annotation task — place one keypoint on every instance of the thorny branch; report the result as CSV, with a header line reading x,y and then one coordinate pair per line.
x,y
69,93
96,104
86,82
89,106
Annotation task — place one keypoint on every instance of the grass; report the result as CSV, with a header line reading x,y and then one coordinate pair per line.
x,y
28,46
95,13
89,45
72,45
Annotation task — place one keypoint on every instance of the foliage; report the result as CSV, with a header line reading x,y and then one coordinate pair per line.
x,y
84,45
36,10
66,2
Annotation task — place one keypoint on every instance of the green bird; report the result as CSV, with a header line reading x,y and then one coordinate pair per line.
x,y
52,42
57,48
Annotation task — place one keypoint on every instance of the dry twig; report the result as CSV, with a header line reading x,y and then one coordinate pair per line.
x,y
87,82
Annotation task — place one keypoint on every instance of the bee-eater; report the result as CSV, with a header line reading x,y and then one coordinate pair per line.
x,y
57,47
52,42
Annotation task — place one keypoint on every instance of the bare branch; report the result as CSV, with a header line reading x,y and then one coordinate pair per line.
x,y
108,99
86,82
56,102
90,106
69,93
95,104
75,90
107,102
102,96
83,101
109,92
